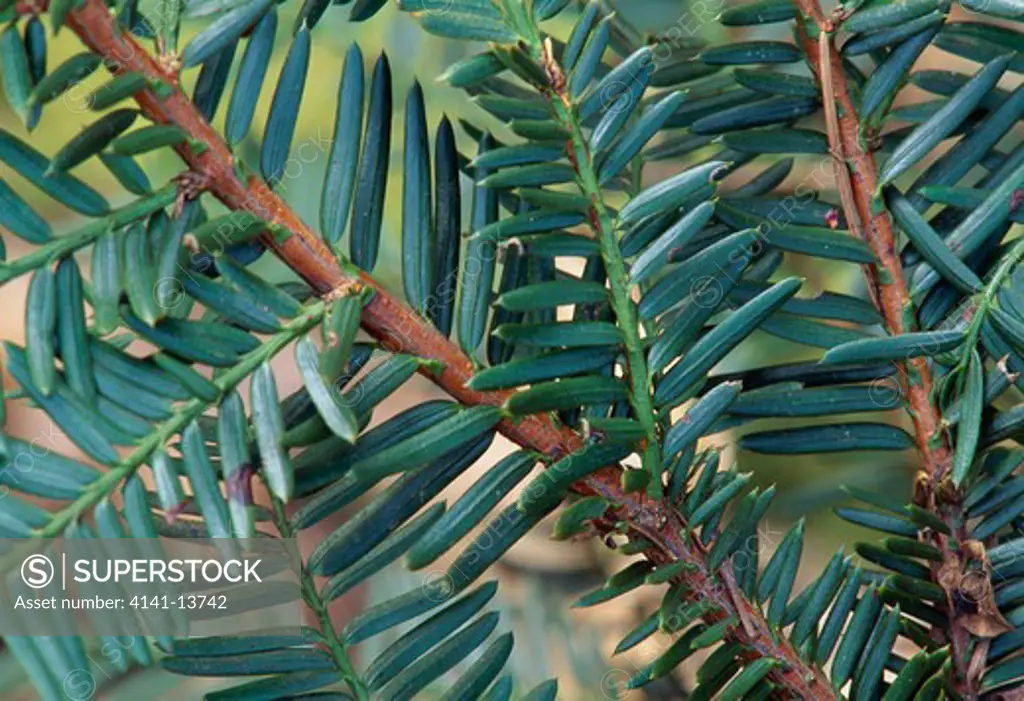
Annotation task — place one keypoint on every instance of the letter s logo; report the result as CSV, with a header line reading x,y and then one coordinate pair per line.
x,y
37,571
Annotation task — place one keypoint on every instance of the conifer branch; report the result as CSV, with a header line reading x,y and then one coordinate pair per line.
x,y
397,327
890,286
855,165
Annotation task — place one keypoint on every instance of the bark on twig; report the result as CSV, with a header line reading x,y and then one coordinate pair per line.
x,y
858,181
399,328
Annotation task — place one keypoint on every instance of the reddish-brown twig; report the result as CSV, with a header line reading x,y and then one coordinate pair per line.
x,y
397,327
857,171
